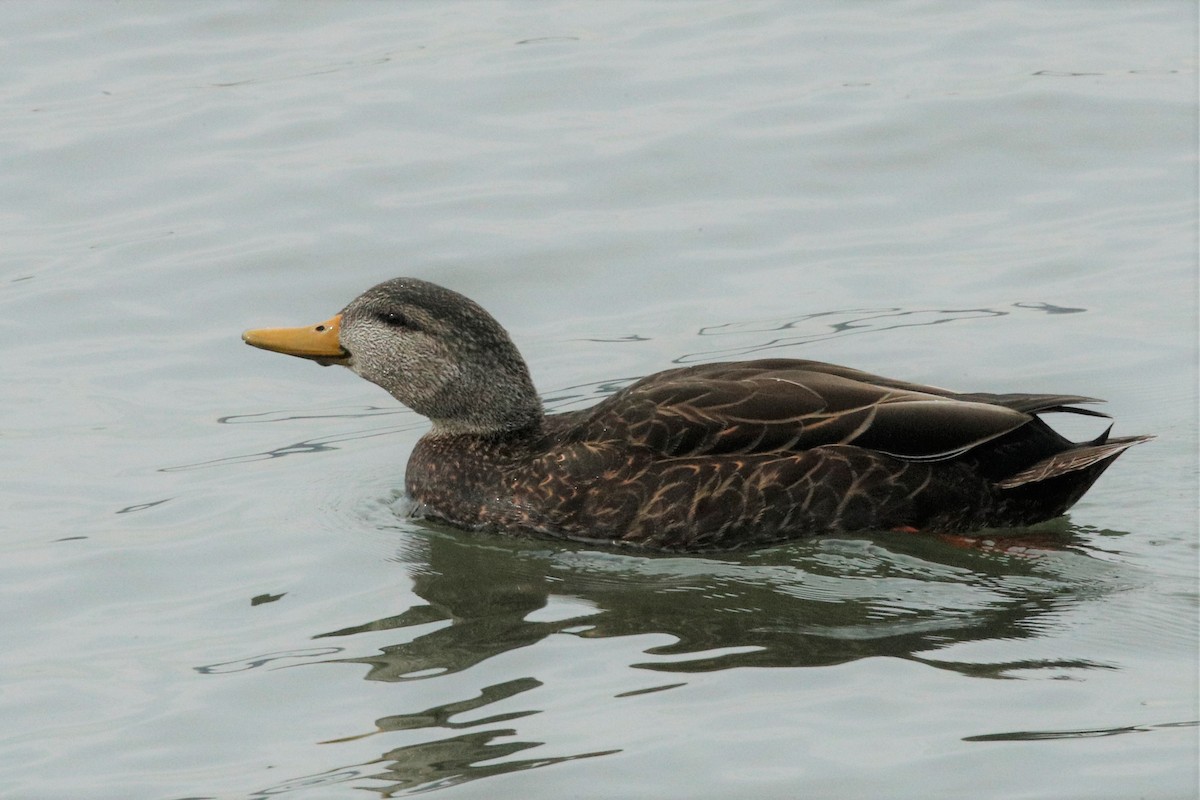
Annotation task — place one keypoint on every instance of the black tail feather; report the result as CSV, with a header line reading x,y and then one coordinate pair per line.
x,y
1073,460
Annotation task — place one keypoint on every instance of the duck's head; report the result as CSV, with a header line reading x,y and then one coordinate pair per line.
x,y
435,351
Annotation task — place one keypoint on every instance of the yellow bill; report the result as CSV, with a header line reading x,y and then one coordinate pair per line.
x,y
318,342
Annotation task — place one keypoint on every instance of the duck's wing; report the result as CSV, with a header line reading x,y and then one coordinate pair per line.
x,y
783,405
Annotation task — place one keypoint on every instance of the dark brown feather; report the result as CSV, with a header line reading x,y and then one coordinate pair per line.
x,y
729,455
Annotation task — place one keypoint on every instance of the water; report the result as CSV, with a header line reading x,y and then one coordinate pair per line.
x,y
210,590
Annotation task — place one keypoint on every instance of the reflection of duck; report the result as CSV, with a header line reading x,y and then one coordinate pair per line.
x,y
814,603
718,455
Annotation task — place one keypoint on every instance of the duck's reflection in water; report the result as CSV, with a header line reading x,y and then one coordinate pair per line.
x,y
808,604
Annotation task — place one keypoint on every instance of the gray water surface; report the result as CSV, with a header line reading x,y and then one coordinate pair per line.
x,y
210,585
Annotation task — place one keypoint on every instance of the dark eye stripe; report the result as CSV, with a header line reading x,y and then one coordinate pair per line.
x,y
393,318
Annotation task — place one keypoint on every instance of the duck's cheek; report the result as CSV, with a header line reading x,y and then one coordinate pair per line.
x,y
372,370
362,368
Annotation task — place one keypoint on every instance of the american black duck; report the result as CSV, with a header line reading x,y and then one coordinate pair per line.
x,y
712,456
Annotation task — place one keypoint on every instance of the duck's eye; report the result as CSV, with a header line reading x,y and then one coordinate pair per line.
x,y
393,318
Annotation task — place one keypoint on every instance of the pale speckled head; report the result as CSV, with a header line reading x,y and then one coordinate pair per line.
x,y
434,350
440,354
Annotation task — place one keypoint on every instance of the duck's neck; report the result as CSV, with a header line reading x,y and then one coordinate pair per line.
x,y
499,404
489,427
489,394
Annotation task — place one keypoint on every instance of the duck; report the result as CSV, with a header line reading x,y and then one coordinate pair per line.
x,y
707,457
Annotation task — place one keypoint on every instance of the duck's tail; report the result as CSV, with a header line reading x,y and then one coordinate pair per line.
x,y
1091,458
